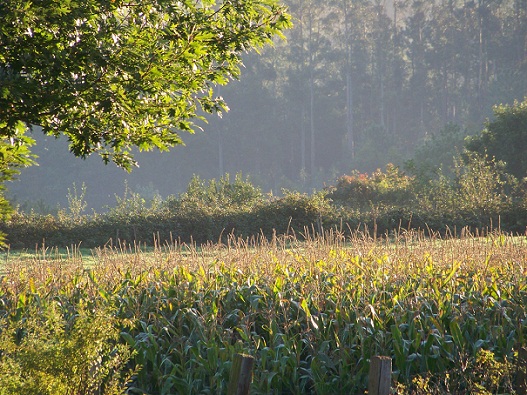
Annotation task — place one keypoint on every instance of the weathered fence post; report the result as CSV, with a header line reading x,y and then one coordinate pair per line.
x,y
241,375
380,378
521,376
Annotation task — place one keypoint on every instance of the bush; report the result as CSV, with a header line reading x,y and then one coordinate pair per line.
x,y
217,196
293,212
480,194
362,191
480,187
48,352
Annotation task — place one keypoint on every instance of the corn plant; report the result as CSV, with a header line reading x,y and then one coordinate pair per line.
x,y
449,311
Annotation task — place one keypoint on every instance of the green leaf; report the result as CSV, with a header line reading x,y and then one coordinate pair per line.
x,y
456,334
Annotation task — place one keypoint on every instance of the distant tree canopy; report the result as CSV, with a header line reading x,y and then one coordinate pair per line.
x,y
505,138
111,75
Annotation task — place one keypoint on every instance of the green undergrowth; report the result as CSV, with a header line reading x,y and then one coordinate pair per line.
x,y
449,312
479,196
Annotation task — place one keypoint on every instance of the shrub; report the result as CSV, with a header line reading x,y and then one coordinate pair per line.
x,y
292,212
480,194
480,188
360,190
217,196
47,352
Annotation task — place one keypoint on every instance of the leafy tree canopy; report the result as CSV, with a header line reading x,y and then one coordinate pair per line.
x,y
505,138
114,74
14,155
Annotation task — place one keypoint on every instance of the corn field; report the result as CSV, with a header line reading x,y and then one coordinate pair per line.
x,y
449,311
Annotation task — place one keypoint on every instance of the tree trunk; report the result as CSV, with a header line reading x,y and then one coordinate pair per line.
x,y
311,99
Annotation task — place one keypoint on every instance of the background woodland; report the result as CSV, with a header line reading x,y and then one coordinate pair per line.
x,y
358,84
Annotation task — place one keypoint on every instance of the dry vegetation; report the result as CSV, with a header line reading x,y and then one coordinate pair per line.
x,y
449,311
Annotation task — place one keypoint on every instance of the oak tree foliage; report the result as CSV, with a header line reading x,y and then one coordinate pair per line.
x,y
111,75
114,74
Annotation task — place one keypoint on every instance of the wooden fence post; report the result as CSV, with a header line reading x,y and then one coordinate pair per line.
x,y
380,377
521,377
241,375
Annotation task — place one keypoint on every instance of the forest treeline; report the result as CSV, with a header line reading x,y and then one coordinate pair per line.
x,y
358,84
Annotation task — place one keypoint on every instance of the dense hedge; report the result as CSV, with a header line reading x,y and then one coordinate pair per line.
x,y
280,217
481,197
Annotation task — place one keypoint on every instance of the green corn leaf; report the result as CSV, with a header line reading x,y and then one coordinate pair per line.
x,y
457,336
